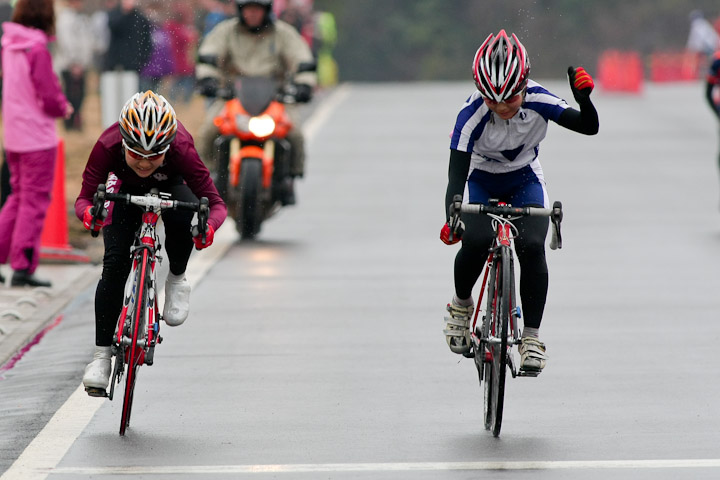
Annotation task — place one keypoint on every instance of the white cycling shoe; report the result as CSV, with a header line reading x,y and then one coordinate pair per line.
x,y
532,354
177,299
97,373
457,332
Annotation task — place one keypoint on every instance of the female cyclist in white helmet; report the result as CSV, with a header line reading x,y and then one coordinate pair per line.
x,y
147,148
494,153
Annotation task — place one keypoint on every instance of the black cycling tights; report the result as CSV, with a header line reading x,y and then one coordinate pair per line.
x,y
118,238
530,249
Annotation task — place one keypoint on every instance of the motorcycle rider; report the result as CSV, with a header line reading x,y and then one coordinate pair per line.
x,y
255,43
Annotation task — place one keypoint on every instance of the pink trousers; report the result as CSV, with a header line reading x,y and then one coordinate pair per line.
x,y
23,215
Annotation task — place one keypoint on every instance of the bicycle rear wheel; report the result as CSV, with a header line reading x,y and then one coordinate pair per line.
x,y
134,358
497,366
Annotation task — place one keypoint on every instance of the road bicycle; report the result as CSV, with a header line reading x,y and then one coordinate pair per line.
x,y
492,340
138,327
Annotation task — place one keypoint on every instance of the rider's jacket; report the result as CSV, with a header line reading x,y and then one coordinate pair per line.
x,y
500,146
274,52
182,163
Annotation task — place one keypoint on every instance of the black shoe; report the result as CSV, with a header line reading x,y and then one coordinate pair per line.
x,y
288,192
21,278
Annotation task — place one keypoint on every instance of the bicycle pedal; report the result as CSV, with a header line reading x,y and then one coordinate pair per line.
x,y
529,373
96,392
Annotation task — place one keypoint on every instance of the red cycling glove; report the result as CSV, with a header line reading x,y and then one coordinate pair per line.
x,y
445,234
581,83
88,218
197,237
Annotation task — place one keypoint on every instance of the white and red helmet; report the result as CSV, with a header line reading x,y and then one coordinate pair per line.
x,y
148,121
501,67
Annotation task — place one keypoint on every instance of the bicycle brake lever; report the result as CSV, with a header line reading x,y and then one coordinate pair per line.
x,y
454,210
556,218
203,217
98,203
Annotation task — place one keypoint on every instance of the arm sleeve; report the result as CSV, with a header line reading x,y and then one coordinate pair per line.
x,y
584,121
213,44
295,52
96,172
709,97
457,176
46,83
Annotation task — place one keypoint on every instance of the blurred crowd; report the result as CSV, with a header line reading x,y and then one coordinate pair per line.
x,y
156,41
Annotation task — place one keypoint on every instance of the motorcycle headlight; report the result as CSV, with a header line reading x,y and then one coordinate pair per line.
x,y
261,126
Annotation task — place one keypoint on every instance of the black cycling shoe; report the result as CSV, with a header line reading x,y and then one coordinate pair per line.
x,y
288,192
21,278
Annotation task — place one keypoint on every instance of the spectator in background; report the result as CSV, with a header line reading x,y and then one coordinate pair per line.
x,y
712,87
299,14
128,51
73,56
183,42
217,11
703,38
160,63
101,34
32,100
325,39
130,40
5,15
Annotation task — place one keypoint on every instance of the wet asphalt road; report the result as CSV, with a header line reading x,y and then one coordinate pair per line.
x,y
318,350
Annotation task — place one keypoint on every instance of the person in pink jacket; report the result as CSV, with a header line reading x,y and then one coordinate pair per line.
x,y
32,100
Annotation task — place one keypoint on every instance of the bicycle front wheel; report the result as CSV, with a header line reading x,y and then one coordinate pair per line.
x,y
135,332
499,348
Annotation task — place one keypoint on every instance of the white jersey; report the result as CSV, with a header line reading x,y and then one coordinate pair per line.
x,y
500,146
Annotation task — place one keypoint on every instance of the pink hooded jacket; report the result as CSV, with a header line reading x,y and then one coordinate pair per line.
x,y
31,94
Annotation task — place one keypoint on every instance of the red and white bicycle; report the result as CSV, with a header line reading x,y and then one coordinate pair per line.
x,y
138,328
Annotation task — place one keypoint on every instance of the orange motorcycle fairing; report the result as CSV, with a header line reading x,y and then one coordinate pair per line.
x,y
251,151
227,124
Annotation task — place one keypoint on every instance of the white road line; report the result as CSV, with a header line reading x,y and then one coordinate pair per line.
x,y
52,443
392,467
323,112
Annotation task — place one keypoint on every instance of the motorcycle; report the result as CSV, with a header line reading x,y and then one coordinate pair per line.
x,y
253,153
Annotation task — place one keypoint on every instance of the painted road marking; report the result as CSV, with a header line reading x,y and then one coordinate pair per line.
x,y
392,467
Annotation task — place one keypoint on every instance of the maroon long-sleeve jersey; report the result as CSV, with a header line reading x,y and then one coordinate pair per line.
x,y
182,162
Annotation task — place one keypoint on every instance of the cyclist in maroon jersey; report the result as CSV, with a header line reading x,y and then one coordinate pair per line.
x,y
147,148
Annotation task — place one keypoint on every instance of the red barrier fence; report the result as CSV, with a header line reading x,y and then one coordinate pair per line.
x,y
620,71
675,66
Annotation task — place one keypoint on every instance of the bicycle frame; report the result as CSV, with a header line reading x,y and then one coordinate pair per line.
x,y
502,249
136,346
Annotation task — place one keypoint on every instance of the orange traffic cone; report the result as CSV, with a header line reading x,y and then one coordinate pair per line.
x,y
54,242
